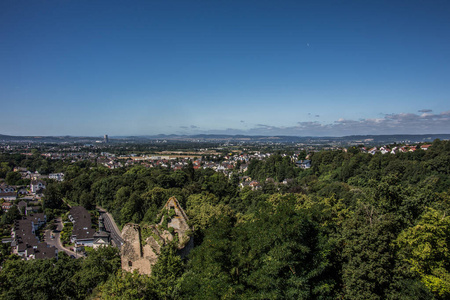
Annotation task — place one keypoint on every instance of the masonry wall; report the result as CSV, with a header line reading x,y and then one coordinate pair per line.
x,y
140,256
131,253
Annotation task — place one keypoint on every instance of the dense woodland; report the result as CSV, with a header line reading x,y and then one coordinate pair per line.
x,y
354,226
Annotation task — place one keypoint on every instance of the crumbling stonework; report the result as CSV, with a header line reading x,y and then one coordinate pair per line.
x,y
133,256
142,246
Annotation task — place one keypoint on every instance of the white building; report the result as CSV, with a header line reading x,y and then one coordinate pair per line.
x,y
37,185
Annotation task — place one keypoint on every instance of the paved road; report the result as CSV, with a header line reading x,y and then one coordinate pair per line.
x,y
56,241
110,224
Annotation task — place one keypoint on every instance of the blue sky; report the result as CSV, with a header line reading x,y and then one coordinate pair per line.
x,y
238,67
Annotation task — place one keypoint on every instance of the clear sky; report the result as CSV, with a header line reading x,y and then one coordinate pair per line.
x,y
324,68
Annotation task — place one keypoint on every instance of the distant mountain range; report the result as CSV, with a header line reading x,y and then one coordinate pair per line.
x,y
353,139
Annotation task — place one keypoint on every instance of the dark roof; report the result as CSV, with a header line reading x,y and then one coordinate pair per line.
x,y
23,225
5,186
82,226
23,230
83,234
306,161
37,217
26,242
8,194
43,250
101,234
79,212
22,206
34,182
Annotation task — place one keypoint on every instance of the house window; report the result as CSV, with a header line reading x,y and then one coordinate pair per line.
x,y
130,264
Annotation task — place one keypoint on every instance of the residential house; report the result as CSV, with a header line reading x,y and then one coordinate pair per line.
x,y
243,168
35,176
373,150
36,186
6,206
25,242
22,191
102,237
82,233
56,176
385,150
403,149
8,196
32,209
304,164
22,205
38,220
7,192
245,178
43,251
255,185
288,181
4,188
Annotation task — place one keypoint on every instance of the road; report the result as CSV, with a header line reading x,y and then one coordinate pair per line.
x,y
56,241
110,224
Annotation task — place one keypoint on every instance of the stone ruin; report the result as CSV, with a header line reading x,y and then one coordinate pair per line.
x,y
142,246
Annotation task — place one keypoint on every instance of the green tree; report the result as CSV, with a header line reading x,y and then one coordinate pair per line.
x,y
99,265
425,247
167,271
12,214
203,208
53,197
86,200
38,279
13,178
367,254
4,169
125,285
280,254
209,271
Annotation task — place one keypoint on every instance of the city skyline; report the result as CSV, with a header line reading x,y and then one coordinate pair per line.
x,y
236,67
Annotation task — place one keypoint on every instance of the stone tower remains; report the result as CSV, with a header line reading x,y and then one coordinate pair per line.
x,y
142,246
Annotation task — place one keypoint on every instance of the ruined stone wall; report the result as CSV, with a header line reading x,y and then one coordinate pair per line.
x,y
132,254
179,221
183,252
173,202
142,255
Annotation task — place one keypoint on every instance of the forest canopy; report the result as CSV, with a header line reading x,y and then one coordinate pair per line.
x,y
354,225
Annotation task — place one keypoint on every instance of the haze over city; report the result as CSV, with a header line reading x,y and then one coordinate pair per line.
x,y
299,68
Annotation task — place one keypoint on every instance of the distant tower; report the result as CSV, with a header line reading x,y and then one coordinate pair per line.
x,y
106,139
